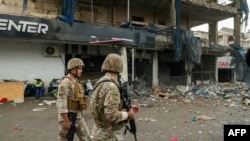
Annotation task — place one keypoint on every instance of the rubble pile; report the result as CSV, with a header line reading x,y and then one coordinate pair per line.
x,y
239,92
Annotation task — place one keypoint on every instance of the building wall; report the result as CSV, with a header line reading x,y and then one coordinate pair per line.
x,y
35,8
113,15
26,61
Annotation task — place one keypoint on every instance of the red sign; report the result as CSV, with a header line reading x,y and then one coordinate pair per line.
x,y
223,64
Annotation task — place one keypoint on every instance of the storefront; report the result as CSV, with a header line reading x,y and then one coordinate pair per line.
x,y
225,69
39,48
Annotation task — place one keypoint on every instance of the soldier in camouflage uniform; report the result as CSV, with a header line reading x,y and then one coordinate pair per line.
x,y
106,104
65,92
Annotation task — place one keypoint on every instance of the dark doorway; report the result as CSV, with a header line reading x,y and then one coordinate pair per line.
x,y
248,57
225,75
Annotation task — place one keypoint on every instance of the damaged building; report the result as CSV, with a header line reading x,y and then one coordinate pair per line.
x,y
38,37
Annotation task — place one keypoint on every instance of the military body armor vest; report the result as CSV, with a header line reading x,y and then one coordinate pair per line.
x,y
79,101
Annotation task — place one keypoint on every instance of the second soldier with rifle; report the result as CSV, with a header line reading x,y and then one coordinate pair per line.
x,y
106,104
70,104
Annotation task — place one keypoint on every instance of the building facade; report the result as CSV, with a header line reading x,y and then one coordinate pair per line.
x,y
39,37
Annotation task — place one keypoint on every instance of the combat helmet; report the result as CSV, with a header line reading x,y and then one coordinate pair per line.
x,y
74,62
113,63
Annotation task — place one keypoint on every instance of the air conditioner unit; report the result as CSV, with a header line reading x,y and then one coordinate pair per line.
x,y
51,51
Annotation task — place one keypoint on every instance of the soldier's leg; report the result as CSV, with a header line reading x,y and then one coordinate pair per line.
x,y
100,134
119,135
82,130
62,132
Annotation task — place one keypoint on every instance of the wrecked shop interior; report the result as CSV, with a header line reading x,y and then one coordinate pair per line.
x,y
93,60
170,71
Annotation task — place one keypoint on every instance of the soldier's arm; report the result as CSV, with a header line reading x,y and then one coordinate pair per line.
x,y
63,90
111,104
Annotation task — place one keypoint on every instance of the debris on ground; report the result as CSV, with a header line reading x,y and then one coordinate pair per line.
x,y
236,93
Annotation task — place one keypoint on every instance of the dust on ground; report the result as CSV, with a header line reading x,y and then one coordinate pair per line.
x,y
159,119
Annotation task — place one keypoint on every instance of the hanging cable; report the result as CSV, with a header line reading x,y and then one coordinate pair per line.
x,y
92,11
24,6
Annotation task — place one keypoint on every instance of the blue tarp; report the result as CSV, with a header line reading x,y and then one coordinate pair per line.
x,y
241,68
244,10
68,11
216,47
188,46
185,44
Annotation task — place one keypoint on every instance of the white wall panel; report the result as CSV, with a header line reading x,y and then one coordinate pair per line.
x,y
26,61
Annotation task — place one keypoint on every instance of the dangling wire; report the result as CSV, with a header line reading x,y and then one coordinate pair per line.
x,y
92,11
24,5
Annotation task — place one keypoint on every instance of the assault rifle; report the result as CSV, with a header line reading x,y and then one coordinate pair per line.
x,y
127,104
72,129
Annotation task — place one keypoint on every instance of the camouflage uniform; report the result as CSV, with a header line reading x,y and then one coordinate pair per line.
x,y
107,107
65,90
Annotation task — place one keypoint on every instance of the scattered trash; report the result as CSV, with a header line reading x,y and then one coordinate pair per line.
x,y
197,112
203,117
3,100
246,100
17,128
223,122
19,101
244,108
185,100
146,119
174,100
39,109
164,95
190,95
194,118
174,139
49,102
227,96
40,104
142,105
150,119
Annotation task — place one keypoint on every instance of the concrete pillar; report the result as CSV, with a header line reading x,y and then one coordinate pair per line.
x,y
155,83
213,32
124,74
188,68
237,23
216,71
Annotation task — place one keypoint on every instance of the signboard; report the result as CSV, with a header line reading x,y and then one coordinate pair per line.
x,y
26,27
84,32
23,26
224,62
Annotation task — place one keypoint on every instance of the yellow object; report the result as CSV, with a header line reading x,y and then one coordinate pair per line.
x,y
12,90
